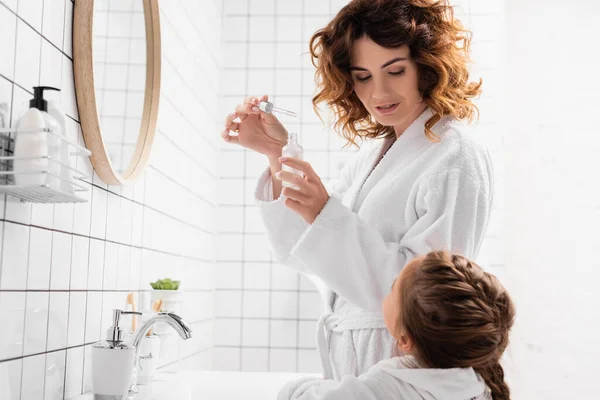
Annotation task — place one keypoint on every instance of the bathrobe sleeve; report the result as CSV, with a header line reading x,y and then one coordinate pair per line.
x,y
353,259
283,226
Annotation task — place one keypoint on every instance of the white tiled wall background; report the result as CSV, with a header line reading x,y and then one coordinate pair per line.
x,y
64,267
266,313
551,147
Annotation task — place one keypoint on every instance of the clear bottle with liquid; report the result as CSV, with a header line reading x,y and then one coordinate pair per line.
x,y
293,150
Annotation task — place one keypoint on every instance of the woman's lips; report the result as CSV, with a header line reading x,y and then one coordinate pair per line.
x,y
387,109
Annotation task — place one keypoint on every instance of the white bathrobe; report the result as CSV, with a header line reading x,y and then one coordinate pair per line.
x,y
396,379
421,196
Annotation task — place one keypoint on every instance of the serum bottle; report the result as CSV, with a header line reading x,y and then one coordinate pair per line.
x,y
294,150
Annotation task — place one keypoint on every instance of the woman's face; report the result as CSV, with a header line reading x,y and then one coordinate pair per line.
x,y
386,82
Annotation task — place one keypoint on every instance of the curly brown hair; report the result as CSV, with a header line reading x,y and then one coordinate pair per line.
x,y
438,44
458,316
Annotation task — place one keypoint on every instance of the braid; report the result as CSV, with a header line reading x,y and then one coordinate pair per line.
x,y
459,316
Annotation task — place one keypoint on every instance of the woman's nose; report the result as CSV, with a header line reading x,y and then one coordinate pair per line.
x,y
381,90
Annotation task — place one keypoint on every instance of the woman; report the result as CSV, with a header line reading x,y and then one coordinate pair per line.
x,y
396,78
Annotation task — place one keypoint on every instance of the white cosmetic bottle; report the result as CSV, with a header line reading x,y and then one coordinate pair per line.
x,y
59,149
35,143
293,150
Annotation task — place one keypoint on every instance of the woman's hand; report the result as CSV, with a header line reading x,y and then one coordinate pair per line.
x,y
310,197
255,129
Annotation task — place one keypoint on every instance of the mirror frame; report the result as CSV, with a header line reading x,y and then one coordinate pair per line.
x,y
83,70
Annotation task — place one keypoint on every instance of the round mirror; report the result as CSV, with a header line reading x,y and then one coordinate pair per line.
x,y
116,57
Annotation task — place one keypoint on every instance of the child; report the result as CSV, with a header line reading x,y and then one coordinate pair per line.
x,y
451,320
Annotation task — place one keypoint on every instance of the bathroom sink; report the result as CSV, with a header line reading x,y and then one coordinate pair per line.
x,y
217,385
213,385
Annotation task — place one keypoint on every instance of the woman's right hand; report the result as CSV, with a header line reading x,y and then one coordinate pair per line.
x,y
256,130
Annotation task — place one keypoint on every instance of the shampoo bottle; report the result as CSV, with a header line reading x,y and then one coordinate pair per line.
x,y
33,143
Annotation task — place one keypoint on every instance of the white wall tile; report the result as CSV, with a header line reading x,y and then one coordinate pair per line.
x,y
236,29
235,55
257,276
255,332
31,12
289,29
284,305
228,303
63,217
34,369
53,21
256,248
60,273
261,55
284,333
235,7
14,256
255,360
27,65
307,334
261,28
229,276
93,316
77,313
311,305
111,264
96,267
289,7
55,375
8,28
10,372
51,71
283,278
282,360
226,359
12,310
256,304
74,372
36,323
99,202
79,263
42,215
58,320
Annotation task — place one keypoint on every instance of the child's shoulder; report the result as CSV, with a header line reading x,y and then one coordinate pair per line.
x,y
403,362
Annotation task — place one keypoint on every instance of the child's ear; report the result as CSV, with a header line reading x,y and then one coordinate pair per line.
x,y
405,344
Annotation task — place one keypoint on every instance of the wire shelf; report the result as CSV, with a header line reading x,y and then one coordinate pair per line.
x,y
56,181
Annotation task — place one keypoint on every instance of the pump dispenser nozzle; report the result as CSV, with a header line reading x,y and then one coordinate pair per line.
x,y
38,100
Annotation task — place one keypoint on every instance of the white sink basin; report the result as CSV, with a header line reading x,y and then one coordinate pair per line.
x,y
213,385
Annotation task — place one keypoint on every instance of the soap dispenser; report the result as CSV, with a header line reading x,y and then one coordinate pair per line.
x,y
34,144
112,363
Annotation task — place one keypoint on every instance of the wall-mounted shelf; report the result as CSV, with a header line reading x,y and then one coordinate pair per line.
x,y
59,182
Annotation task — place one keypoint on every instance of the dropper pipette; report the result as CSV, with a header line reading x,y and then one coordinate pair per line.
x,y
268,107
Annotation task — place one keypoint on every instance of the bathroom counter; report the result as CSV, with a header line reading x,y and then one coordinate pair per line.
x,y
213,385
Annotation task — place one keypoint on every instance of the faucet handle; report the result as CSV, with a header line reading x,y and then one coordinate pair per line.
x,y
131,312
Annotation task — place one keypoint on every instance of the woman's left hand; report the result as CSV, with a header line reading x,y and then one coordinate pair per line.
x,y
310,197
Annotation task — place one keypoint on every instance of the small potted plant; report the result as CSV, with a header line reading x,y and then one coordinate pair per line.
x,y
167,290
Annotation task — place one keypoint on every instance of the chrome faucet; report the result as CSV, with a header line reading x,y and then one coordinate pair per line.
x,y
173,320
